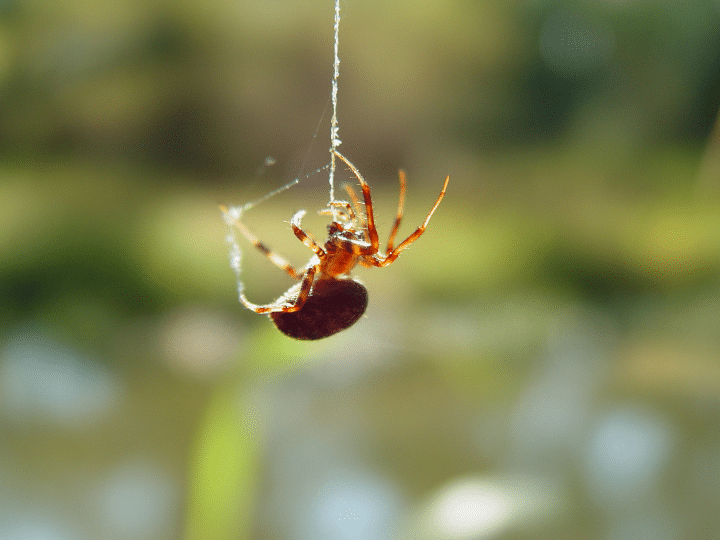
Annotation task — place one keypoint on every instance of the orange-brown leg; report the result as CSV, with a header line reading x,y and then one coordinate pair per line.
x,y
304,237
276,259
401,203
290,301
398,218
359,220
414,236
370,219
356,202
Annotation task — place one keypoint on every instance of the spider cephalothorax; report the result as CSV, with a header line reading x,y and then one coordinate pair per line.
x,y
327,299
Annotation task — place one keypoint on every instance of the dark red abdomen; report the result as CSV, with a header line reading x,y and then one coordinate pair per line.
x,y
333,305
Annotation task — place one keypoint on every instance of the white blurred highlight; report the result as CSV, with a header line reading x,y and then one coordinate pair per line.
x,y
475,508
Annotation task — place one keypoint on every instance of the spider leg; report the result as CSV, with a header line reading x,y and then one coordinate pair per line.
x,y
304,237
291,301
276,259
356,203
398,219
369,217
376,261
357,214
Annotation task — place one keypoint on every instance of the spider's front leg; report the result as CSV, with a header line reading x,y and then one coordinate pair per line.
x,y
304,237
369,216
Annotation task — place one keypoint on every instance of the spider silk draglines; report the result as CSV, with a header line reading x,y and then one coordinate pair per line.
x,y
327,298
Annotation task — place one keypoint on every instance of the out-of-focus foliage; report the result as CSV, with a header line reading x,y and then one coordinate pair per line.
x,y
544,362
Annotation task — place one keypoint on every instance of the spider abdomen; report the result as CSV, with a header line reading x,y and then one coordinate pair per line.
x,y
333,305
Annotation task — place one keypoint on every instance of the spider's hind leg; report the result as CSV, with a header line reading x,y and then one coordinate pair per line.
x,y
291,301
414,236
276,259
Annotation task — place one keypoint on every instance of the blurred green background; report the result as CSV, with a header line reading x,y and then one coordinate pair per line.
x,y
543,363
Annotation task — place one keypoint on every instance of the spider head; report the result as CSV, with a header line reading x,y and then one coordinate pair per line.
x,y
339,232
335,229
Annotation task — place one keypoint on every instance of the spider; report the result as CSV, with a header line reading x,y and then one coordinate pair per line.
x,y
326,298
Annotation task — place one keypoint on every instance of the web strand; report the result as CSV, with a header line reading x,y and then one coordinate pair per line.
x,y
334,128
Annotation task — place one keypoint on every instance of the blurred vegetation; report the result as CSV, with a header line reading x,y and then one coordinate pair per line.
x,y
566,288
